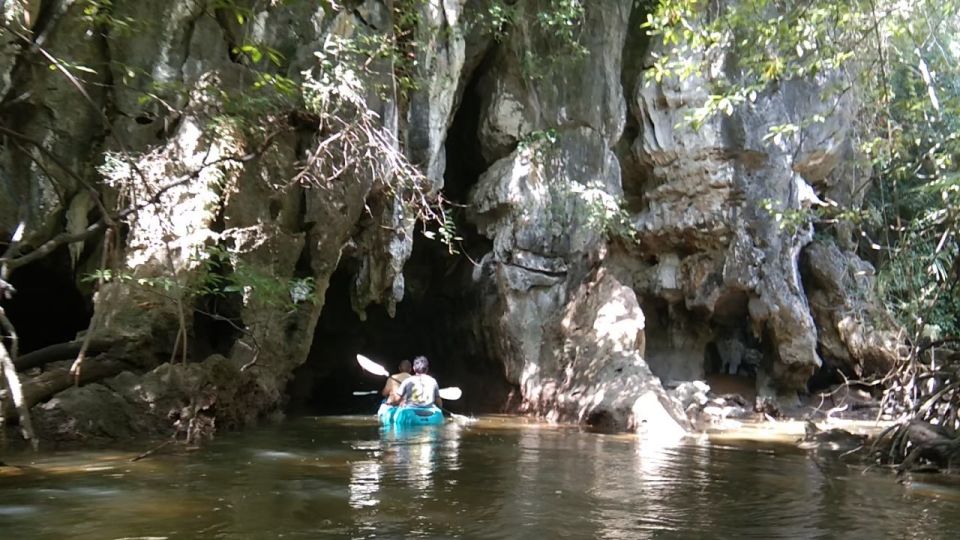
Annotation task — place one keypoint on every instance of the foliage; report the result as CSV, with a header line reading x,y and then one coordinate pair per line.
x,y
556,24
99,14
536,143
789,220
743,47
223,275
607,214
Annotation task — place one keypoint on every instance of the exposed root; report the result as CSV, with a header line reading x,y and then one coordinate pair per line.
x,y
924,392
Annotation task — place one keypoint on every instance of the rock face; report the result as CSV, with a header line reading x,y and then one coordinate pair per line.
x,y
712,186
719,209
604,380
546,202
856,336
616,245
211,195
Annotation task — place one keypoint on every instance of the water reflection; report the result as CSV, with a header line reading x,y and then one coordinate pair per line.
x,y
405,467
497,479
364,484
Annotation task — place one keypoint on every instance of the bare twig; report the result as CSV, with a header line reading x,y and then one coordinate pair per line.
x,y
78,363
16,392
152,451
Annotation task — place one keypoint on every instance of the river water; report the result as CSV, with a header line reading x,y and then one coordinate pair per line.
x,y
501,477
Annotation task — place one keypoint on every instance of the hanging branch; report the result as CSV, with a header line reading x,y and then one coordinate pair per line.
x,y
16,391
7,358
94,194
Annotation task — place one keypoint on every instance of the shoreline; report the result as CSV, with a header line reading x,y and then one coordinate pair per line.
x,y
789,430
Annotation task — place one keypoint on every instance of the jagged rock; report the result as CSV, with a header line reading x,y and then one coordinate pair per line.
x,y
598,376
830,440
548,199
163,59
705,192
713,403
91,412
149,405
538,214
440,61
688,393
45,107
582,321
855,335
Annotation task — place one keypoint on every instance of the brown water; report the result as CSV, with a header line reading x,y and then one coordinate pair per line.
x,y
344,477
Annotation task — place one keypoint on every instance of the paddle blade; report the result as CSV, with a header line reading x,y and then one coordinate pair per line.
x,y
371,366
452,393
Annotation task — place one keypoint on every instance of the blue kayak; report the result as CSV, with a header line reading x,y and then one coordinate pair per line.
x,y
391,415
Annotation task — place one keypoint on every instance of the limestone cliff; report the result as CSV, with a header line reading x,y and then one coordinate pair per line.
x,y
610,243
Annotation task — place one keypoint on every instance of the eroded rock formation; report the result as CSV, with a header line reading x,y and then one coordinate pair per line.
x,y
584,303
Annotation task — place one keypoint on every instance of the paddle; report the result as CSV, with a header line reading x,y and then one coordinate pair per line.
x,y
451,393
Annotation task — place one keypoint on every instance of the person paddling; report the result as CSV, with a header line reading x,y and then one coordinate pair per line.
x,y
390,389
420,390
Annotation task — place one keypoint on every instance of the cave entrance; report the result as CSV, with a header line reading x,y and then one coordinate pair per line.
x,y
732,349
440,316
48,308
686,345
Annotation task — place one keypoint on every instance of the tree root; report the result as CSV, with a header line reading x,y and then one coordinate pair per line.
x,y
60,351
48,384
916,445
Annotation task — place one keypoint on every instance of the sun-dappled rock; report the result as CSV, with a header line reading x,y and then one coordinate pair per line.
x,y
600,376
610,243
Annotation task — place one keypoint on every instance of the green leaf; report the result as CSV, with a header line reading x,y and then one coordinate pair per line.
x,y
253,52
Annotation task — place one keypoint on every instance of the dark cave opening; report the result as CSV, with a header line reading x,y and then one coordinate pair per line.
x,y
215,329
684,344
440,316
435,319
733,349
48,308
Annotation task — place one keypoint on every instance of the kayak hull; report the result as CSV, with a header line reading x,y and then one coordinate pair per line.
x,y
390,415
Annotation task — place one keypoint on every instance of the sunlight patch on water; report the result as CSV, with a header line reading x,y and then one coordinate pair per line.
x,y
14,510
364,484
275,454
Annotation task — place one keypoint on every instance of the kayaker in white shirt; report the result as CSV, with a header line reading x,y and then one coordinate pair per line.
x,y
420,390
